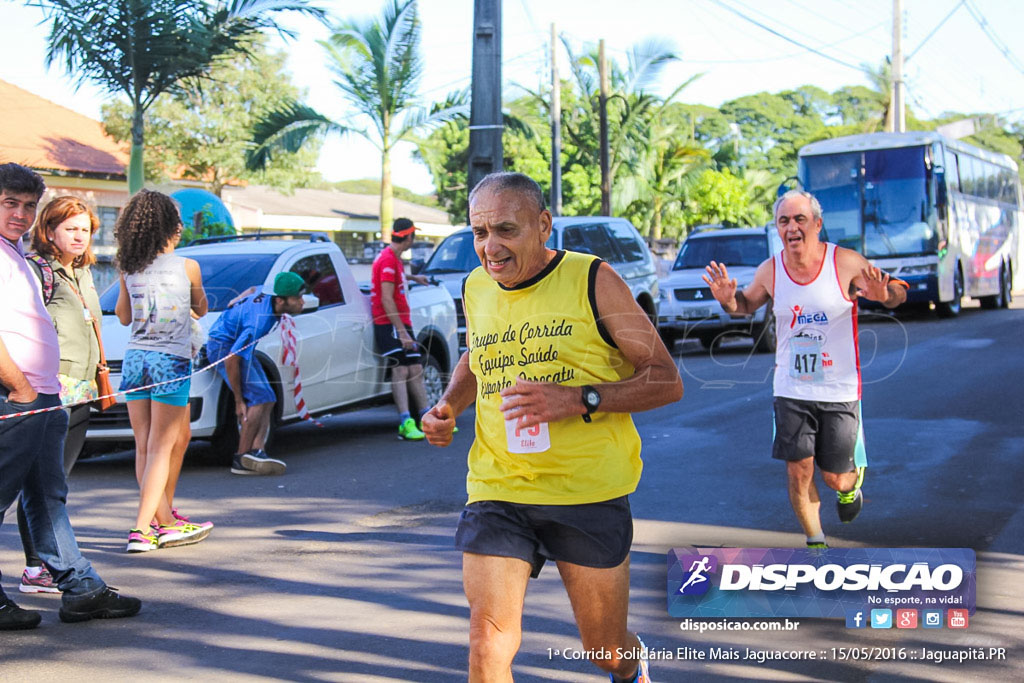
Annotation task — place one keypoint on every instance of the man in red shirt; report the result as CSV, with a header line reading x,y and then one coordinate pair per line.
x,y
392,328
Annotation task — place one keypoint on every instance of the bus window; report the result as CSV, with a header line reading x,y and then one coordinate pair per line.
x,y
953,172
834,180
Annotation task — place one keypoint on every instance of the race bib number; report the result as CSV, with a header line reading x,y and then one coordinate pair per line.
x,y
806,361
535,439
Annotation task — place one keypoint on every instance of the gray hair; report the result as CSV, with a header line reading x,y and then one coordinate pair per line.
x,y
508,180
815,205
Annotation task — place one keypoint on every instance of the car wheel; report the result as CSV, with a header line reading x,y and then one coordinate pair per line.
x,y
951,309
433,380
765,334
224,441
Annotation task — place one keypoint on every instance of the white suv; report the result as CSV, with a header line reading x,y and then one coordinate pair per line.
x,y
339,367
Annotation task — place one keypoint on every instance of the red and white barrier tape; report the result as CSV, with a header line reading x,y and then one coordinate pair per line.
x,y
289,357
129,391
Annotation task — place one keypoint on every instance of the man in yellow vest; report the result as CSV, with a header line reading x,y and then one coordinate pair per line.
x,y
559,356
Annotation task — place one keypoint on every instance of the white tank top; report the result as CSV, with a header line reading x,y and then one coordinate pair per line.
x,y
161,299
817,357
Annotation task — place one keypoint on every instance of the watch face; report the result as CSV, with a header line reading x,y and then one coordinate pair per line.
x,y
592,398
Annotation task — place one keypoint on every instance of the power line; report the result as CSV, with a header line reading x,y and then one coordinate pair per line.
x,y
983,23
755,22
929,36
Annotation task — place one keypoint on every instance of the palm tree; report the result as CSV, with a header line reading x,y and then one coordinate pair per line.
x,y
378,67
143,48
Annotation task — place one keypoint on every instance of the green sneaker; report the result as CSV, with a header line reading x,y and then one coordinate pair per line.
x,y
849,503
408,430
817,545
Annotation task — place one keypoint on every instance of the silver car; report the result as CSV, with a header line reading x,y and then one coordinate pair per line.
x,y
613,239
687,309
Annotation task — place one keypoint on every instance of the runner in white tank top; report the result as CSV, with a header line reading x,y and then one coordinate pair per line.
x,y
816,323
813,286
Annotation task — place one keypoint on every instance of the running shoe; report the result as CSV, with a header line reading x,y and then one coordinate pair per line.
x,y
817,545
642,674
14,618
177,515
37,580
180,533
409,431
259,462
849,503
139,542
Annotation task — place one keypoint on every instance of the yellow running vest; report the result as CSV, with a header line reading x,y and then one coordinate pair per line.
x,y
545,330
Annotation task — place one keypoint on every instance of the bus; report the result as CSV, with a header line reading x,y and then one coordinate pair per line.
x,y
939,213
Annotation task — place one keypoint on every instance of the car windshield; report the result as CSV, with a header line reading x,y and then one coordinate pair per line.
x,y
224,277
454,255
732,250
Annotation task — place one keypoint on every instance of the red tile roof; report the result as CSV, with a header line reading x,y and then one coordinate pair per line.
x,y
46,136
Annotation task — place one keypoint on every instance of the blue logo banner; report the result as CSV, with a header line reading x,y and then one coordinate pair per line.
x,y
829,583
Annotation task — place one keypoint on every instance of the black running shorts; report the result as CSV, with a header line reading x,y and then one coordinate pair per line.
x,y
390,348
594,535
829,432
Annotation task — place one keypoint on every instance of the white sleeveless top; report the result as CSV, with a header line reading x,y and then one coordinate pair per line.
x,y
817,357
161,299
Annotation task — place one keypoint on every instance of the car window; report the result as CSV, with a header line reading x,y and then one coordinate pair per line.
x,y
225,276
630,245
591,238
321,278
454,255
732,250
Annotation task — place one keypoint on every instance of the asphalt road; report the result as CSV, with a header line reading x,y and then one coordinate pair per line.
x,y
343,569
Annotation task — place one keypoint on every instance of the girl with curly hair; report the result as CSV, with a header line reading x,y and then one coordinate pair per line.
x,y
159,293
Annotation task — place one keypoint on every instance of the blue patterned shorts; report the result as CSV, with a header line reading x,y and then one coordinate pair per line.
x,y
141,368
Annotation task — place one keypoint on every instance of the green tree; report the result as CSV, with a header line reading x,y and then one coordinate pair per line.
x,y
378,67
143,48
204,129
721,197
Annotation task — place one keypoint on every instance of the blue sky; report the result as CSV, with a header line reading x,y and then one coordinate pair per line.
x,y
960,67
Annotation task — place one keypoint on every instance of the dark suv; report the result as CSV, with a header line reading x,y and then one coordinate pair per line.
x,y
613,239
687,309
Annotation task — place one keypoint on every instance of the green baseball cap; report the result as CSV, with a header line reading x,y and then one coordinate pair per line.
x,y
286,284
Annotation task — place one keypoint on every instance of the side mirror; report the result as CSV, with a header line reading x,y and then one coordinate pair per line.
x,y
310,302
416,265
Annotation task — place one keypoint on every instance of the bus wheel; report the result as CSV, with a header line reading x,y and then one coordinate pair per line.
x,y
1002,299
951,309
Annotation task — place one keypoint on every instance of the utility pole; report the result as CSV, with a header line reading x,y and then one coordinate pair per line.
x,y
899,124
606,184
556,129
485,120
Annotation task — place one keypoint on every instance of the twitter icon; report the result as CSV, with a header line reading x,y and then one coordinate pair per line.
x,y
881,618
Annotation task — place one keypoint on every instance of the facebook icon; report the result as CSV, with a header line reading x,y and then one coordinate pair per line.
x,y
855,619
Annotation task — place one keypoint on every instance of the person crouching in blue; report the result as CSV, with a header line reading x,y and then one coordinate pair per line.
x,y
246,321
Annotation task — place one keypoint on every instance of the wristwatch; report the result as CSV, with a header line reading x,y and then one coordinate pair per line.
x,y
591,400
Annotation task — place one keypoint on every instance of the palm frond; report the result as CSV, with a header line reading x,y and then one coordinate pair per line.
x,y
286,129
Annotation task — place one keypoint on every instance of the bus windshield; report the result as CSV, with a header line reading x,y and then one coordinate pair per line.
x,y
876,201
